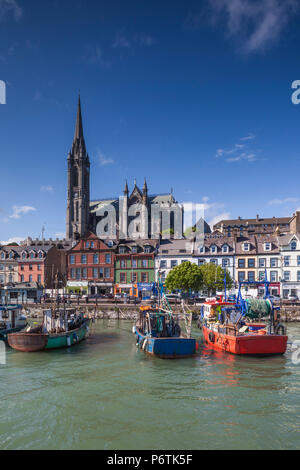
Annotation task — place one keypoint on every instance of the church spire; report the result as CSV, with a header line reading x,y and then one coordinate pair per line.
x,y
126,191
78,127
145,188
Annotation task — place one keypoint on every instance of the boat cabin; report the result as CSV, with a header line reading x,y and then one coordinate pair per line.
x,y
158,324
11,317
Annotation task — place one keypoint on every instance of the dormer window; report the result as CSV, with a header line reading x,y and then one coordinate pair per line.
x,y
110,243
147,249
134,249
246,246
225,248
2,255
24,255
267,246
32,255
87,245
122,250
213,249
11,255
294,245
201,249
41,255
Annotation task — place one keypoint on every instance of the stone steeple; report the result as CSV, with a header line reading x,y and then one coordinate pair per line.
x,y
78,183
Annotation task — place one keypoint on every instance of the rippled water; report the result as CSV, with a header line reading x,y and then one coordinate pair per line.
x,y
107,394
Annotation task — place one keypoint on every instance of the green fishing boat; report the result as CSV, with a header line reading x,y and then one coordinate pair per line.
x,y
61,328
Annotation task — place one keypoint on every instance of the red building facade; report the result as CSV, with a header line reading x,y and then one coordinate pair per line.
x,y
91,266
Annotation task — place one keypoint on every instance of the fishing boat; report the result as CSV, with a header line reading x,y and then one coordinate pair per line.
x,y
61,328
238,328
11,320
159,334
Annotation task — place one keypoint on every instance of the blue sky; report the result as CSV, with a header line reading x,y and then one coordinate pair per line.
x,y
193,95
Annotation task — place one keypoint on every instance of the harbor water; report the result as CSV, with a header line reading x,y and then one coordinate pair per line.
x,y
107,394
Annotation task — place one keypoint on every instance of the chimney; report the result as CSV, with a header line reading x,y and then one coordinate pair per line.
x,y
257,218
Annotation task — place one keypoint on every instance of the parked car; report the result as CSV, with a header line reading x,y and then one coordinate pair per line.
x,y
172,298
293,298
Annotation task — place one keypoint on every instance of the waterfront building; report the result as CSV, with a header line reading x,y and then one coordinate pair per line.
x,y
22,292
257,225
9,256
135,266
217,249
172,253
84,215
91,266
289,246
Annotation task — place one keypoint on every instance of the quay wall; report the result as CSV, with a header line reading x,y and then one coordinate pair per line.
x,y
130,312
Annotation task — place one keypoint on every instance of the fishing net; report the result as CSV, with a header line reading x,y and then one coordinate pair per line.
x,y
257,308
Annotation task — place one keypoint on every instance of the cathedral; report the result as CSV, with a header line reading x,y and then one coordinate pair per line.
x,y
84,215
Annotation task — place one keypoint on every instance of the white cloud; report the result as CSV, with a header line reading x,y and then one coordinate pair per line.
x,y
105,160
239,152
256,24
248,137
217,218
47,189
287,200
122,41
19,210
12,240
10,6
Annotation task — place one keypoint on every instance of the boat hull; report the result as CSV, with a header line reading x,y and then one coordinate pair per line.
x,y
27,342
66,340
249,344
166,348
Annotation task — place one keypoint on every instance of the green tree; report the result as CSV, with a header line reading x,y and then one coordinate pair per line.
x,y
213,278
187,276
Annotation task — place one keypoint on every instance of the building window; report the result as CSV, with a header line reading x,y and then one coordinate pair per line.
x,y
201,262
24,256
294,245
274,263
107,273
214,261
173,263
286,261
92,245
83,259
22,267
3,255
298,260
122,278
298,276
40,255
134,263
273,276
39,279
144,263
286,275
123,263
251,263
107,258
241,276
144,277
22,278
182,251
267,246
213,249
251,276
225,262
165,252
96,259
163,264
246,246
84,273
201,249
134,277
225,248
32,255
87,245
147,249
134,249
241,263
95,273
261,275
72,273
30,267
30,278
72,259
101,273
122,250
262,262
78,274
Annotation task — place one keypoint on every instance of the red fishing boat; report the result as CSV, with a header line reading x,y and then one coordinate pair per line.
x,y
234,327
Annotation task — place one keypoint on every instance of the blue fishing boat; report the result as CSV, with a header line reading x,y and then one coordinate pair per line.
x,y
159,334
11,320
